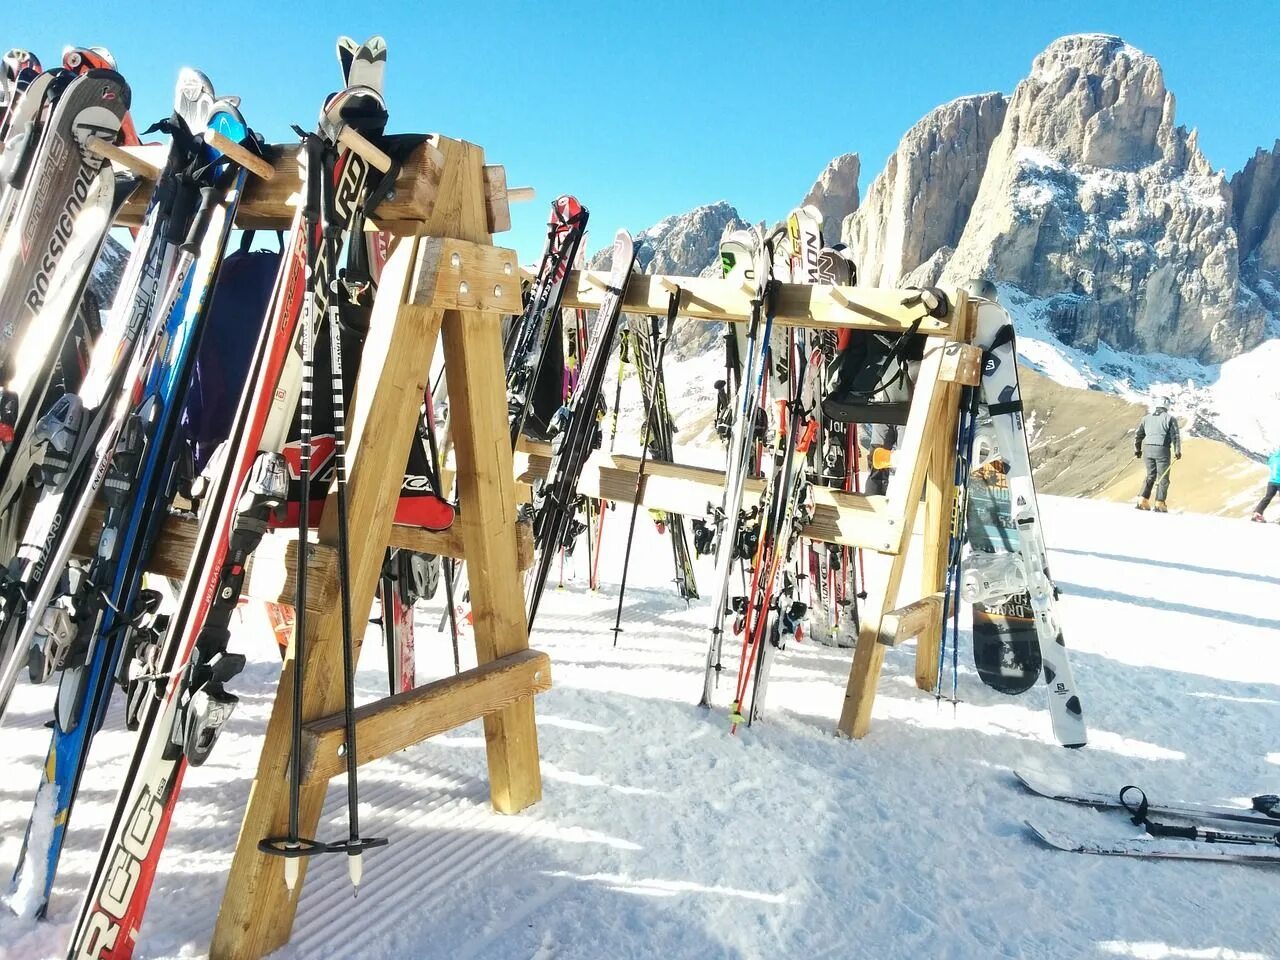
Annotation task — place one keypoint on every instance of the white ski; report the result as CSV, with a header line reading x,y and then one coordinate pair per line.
x,y
1159,848
1061,788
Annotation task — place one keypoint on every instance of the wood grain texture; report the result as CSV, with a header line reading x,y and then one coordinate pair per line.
x,y
910,621
486,493
797,305
257,910
270,204
851,519
397,722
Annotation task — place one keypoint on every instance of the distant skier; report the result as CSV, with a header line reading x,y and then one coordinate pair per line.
x,y
1273,487
1157,438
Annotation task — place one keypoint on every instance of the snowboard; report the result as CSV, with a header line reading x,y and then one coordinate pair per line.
x,y
1006,652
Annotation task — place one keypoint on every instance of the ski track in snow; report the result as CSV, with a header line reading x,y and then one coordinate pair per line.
x,y
660,835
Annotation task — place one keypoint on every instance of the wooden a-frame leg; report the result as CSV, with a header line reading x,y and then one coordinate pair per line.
x,y
487,497
916,449
939,496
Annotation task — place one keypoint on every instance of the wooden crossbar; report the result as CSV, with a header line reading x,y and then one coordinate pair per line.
x,y
269,204
851,519
397,722
884,310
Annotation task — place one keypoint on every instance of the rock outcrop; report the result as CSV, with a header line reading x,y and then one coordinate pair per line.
x,y
835,193
1255,194
1096,203
919,204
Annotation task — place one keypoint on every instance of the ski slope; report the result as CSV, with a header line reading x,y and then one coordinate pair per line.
x,y
660,835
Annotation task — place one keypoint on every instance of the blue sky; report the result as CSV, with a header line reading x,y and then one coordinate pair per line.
x,y
647,109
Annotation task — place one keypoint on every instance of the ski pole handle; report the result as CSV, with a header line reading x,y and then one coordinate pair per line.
x,y
200,221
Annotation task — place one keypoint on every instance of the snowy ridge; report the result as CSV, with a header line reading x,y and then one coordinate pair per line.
x,y
1239,399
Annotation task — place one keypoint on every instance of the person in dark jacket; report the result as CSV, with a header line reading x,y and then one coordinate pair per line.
x,y
1156,441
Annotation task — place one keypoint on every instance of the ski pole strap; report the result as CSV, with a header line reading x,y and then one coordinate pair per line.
x,y
1137,810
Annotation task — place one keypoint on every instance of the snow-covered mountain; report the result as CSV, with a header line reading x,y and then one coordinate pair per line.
x,y
1131,266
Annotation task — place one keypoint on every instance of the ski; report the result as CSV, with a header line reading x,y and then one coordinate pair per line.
x,y
109,608
1199,844
531,332
577,429
80,432
1061,788
746,256
184,704
660,431
35,312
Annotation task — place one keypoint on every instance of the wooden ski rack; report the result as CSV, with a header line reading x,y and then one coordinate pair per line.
x,y
445,282
924,460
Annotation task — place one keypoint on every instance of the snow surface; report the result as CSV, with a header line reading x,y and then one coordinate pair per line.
x,y
660,835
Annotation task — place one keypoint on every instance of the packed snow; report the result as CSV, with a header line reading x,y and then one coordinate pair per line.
x,y
661,835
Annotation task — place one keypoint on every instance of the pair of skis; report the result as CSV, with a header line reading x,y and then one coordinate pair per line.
x,y
772,610
1205,831
576,430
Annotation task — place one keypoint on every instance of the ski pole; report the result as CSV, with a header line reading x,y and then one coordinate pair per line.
x,y
673,307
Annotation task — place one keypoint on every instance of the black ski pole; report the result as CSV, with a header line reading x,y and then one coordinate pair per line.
x,y
446,563
673,307
354,846
292,846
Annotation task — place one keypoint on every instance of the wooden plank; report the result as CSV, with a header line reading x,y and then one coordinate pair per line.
x,y
400,721
486,494
910,621
497,207
269,575
962,364
257,909
457,274
851,519
803,305
904,498
451,542
939,498
270,204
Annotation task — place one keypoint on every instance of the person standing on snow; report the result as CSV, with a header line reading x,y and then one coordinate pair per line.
x,y
1157,438
1273,487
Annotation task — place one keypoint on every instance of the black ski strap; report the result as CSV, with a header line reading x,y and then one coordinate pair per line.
x,y
1009,406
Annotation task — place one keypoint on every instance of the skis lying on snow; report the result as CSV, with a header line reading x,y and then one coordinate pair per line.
x,y
1205,831
1197,843
1266,812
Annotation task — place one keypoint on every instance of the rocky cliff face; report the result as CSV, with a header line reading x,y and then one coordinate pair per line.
x,y
1094,201
835,193
1255,192
917,207
686,245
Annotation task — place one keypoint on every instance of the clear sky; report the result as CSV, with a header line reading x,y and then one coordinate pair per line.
x,y
645,109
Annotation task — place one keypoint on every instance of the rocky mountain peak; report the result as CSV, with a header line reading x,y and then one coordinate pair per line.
x,y
916,208
835,193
